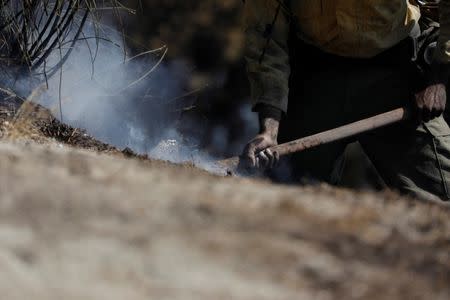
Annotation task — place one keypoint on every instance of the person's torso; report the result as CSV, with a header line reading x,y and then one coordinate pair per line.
x,y
356,28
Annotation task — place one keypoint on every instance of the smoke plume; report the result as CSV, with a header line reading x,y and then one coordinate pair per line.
x,y
128,100
122,100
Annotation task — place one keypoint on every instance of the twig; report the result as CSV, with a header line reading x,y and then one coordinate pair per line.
x,y
147,73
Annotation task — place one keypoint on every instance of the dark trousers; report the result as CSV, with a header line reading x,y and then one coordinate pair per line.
x,y
328,91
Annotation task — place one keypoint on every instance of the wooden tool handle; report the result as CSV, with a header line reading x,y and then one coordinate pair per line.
x,y
329,136
343,132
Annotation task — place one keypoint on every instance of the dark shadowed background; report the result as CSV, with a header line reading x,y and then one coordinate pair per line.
x,y
207,38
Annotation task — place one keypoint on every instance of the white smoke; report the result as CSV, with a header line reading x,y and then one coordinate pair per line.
x,y
130,101
121,100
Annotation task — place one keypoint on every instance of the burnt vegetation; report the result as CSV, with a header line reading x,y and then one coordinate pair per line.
x,y
31,31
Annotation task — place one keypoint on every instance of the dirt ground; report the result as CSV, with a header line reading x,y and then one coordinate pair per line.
x,y
93,224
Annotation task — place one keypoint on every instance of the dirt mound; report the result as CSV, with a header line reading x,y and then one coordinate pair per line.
x,y
96,225
25,120
81,225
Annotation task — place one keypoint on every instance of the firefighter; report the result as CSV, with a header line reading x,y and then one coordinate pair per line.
x,y
318,64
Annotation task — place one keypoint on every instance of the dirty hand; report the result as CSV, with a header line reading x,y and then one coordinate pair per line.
x,y
432,100
256,153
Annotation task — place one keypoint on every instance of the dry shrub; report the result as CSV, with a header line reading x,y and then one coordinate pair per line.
x,y
31,30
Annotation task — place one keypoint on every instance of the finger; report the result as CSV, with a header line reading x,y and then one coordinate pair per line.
x,y
250,155
263,159
257,162
276,158
271,157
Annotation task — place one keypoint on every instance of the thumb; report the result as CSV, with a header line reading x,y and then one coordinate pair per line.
x,y
249,153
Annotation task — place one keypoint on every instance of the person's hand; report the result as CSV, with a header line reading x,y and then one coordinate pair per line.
x,y
257,153
432,100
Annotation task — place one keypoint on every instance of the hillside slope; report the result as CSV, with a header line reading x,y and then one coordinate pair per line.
x,y
75,224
